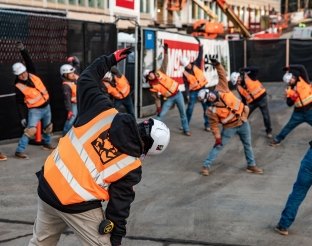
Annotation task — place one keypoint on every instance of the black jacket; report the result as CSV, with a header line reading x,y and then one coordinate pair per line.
x,y
124,134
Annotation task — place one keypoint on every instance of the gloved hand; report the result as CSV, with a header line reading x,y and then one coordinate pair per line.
x,y
20,45
24,122
73,60
122,53
166,48
70,114
218,143
214,62
294,96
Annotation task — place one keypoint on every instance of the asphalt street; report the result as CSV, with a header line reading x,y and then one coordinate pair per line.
x,y
174,204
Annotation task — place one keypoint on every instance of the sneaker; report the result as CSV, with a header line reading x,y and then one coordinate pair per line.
x,y
48,147
21,155
254,169
281,230
269,135
204,171
208,129
274,143
187,134
3,157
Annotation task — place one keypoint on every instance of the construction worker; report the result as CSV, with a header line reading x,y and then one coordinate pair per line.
x,y
3,157
298,94
118,87
98,160
300,189
161,84
69,87
30,90
194,80
231,113
253,94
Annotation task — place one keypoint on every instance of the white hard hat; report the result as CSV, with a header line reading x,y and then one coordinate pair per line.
x,y
66,68
160,133
184,61
18,68
108,76
287,77
146,72
234,77
203,95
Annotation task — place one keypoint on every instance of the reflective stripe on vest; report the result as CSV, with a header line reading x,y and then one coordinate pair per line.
x,y
232,110
122,88
196,81
73,88
34,97
85,162
166,85
304,91
253,91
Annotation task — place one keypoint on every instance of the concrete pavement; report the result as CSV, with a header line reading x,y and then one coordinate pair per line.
x,y
175,205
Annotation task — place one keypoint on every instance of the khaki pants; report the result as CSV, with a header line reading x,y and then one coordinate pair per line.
x,y
50,223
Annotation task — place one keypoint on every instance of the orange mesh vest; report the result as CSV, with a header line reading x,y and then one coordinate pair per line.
x,y
196,81
254,90
305,93
85,162
122,88
231,111
34,97
73,88
166,85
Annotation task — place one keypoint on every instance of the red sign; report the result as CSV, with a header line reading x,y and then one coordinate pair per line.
x,y
129,4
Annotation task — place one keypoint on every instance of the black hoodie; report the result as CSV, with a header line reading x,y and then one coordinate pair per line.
x,y
124,134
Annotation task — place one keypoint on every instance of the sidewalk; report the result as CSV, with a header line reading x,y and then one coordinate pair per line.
x,y
176,206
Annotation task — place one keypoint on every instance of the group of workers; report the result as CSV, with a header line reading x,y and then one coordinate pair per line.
x,y
98,159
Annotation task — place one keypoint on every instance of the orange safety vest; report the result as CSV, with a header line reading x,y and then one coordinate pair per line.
x,y
253,91
305,93
196,81
122,88
231,111
166,85
73,88
34,96
85,162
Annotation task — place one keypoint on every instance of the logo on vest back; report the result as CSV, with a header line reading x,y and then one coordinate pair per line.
x,y
106,151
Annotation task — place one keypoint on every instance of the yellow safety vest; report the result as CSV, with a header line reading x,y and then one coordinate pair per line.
x,y
34,97
305,93
253,91
166,86
196,81
73,88
122,88
85,162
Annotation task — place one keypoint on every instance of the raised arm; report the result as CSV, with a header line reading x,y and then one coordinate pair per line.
x,y
223,84
164,64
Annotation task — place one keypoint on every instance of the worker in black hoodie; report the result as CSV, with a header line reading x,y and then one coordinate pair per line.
x,y
98,161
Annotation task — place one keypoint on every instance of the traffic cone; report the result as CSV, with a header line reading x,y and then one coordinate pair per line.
x,y
38,137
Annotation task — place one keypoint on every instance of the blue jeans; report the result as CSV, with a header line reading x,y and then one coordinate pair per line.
x,y
296,119
263,106
299,192
69,123
127,103
179,101
34,116
190,107
244,133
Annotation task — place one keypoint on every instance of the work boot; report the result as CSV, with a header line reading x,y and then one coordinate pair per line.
x,y
207,129
187,134
269,135
3,157
254,169
48,147
204,171
281,230
274,143
21,155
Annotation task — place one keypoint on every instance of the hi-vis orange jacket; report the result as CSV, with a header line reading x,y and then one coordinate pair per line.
x,y
253,91
122,88
85,162
34,97
232,109
166,85
196,81
73,88
304,90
